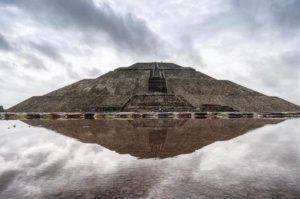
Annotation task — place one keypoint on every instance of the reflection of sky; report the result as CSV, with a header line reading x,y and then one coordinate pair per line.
x,y
36,160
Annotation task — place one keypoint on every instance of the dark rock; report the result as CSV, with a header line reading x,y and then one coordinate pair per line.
x,y
33,116
216,108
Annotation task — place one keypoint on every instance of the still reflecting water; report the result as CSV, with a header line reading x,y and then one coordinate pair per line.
x,y
150,159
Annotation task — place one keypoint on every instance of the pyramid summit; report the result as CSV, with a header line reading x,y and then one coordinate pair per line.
x,y
154,87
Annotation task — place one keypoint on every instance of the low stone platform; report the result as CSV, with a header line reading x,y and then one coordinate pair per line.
x,y
146,115
157,103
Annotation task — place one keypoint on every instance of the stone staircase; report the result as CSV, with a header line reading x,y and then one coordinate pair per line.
x,y
157,81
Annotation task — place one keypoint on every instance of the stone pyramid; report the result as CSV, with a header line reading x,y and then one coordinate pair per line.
x,y
154,87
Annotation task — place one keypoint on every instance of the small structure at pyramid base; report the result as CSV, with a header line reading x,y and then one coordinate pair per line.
x,y
158,87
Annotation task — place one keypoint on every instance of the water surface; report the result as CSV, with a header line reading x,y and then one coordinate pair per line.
x,y
228,158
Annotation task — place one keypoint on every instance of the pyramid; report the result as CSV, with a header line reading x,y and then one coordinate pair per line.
x,y
154,87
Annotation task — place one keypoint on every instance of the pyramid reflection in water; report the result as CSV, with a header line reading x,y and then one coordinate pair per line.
x,y
153,138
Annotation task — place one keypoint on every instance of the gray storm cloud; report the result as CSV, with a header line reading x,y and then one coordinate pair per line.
x,y
4,44
125,31
47,50
282,14
252,18
34,62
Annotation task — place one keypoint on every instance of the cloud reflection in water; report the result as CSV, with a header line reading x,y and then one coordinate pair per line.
x,y
37,161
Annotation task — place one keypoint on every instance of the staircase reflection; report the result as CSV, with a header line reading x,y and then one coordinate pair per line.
x,y
153,138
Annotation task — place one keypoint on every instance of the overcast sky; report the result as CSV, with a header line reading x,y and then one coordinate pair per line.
x,y
47,44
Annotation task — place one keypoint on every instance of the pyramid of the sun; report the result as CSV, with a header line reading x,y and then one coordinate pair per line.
x,y
154,87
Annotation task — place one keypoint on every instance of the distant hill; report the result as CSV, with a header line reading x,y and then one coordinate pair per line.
x,y
154,87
